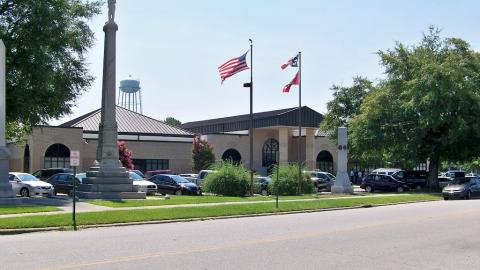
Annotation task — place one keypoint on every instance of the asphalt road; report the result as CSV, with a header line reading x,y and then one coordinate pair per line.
x,y
432,235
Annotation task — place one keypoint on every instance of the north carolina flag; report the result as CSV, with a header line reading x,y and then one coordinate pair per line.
x,y
295,81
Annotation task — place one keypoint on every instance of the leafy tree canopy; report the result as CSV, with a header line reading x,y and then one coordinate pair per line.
x,y
427,107
345,104
172,122
46,42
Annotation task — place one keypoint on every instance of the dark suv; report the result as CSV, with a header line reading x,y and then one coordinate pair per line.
x,y
44,174
414,179
383,182
63,182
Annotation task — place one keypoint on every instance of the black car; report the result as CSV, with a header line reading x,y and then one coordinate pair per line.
x,y
174,184
44,174
383,183
414,179
63,182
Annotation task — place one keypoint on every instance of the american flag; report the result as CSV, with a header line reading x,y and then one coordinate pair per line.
x,y
233,66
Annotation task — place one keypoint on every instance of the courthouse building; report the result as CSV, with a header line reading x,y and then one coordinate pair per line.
x,y
156,145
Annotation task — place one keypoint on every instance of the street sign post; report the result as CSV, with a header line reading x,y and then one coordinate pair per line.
x,y
74,162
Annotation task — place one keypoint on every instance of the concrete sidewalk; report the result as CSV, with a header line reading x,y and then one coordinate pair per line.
x,y
82,207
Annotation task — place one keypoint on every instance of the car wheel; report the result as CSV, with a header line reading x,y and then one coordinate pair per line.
x,y
24,192
400,189
368,189
445,198
264,192
468,196
418,187
178,192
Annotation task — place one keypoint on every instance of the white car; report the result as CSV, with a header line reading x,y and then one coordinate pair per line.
x,y
26,185
143,185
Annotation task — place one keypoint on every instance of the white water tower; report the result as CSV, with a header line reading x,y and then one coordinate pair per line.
x,y
130,95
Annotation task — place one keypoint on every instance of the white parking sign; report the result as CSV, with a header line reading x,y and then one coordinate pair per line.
x,y
74,158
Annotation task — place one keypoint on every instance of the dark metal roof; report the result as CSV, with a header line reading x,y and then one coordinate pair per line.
x,y
128,122
284,117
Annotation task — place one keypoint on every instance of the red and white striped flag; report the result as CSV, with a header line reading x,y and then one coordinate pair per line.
x,y
233,66
295,81
293,62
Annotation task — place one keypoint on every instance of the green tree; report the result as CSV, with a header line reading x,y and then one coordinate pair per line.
x,y
202,154
172,122
345,104
46,42
427,107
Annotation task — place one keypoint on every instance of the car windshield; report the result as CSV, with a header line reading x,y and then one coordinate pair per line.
x,y
331,176
179,179
460,181
135,177
27,177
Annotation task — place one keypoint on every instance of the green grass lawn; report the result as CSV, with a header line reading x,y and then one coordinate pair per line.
x,y
121,216
5,210
157,201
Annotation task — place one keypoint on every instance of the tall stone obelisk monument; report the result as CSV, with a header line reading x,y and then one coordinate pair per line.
x,y
5,187
342,181
108,179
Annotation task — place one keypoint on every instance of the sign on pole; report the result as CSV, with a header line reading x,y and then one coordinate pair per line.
x,y
74,158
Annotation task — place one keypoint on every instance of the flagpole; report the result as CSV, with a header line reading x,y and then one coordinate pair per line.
x,y
299,121
250,132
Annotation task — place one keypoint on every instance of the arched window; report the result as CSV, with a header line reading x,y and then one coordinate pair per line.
x,y
269,153
232,155
325,161
57,156
26,159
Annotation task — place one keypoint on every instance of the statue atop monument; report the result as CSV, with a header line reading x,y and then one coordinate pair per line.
x,y
111,10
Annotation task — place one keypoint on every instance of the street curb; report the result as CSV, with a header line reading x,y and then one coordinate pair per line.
x,y
47,229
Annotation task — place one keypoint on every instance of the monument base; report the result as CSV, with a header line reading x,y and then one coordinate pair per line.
x,y
11,201
5,186
342,190
342,184
109,184
111,195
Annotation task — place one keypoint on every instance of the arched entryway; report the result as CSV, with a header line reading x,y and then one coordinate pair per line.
x,y
57,156
270,153
325,161
26,159
233,155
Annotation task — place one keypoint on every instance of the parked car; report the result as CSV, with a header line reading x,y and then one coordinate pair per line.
x,y
81,176
63,182
462,188
414,179
201,176
174,184
387,171
192,177
261,184
322,180
26,185
44,174
138,172
143,185
443,181
149,174
383,182
454,174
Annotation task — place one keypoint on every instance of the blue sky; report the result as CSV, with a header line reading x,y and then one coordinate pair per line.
x,y
175,48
